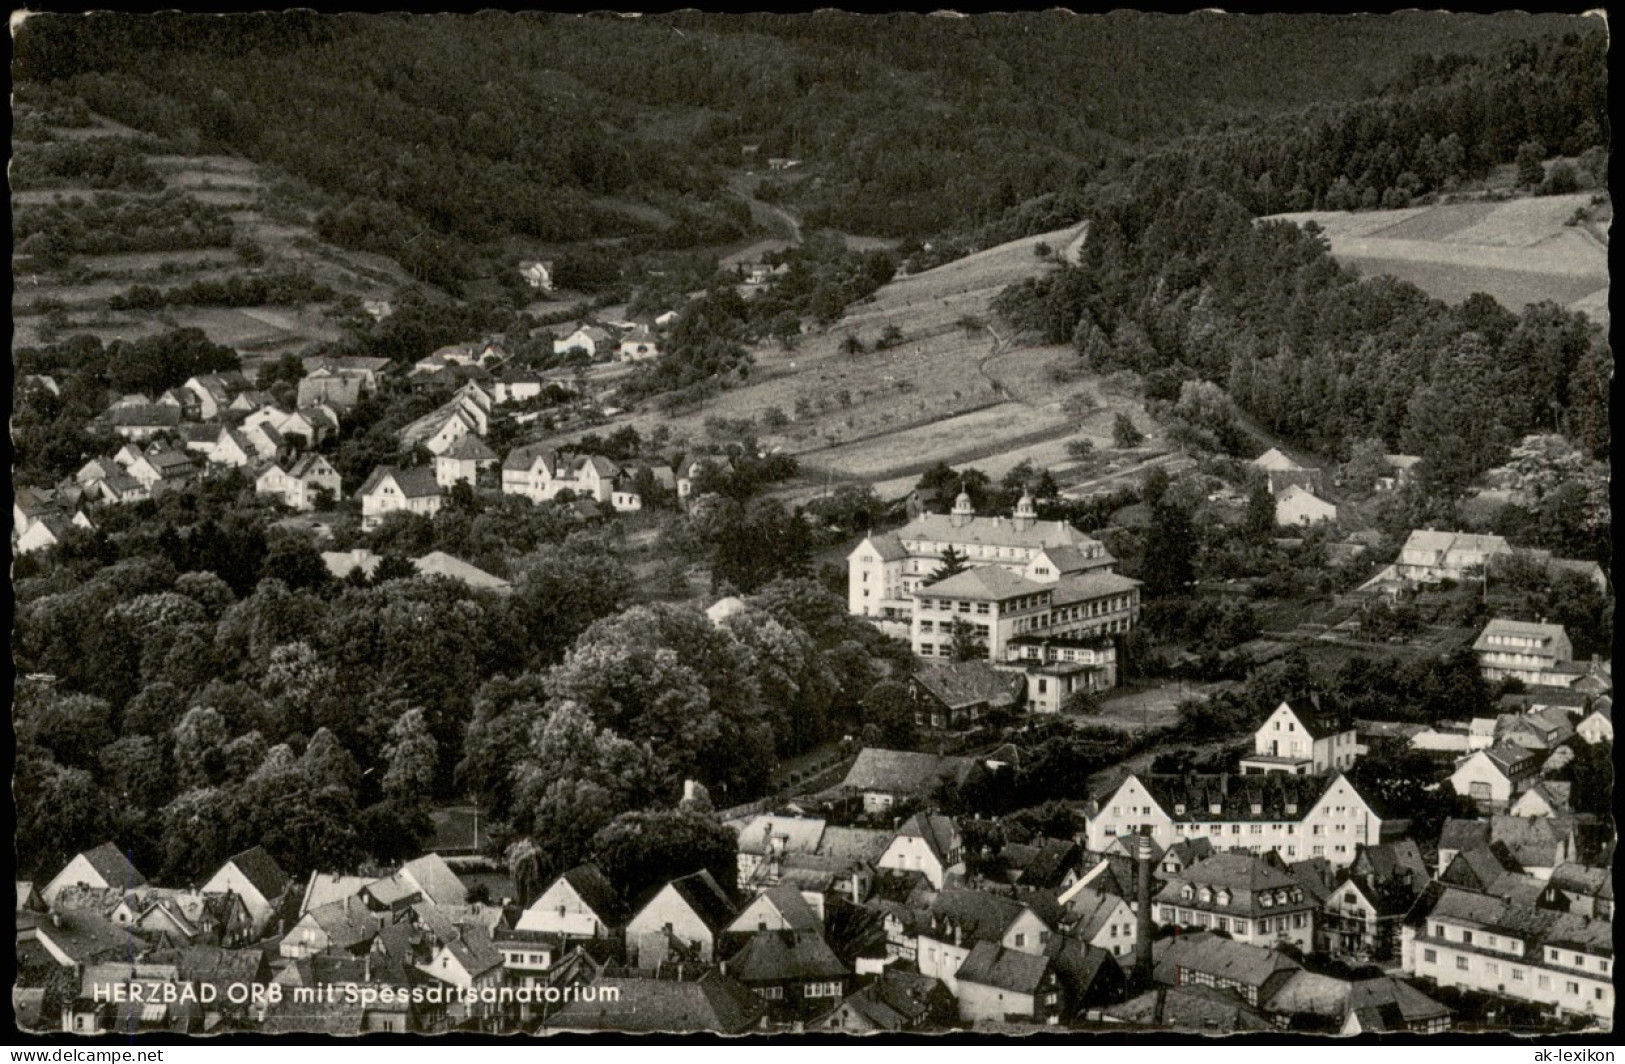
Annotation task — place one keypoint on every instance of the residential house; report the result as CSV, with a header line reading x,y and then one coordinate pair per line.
x,y
324,888
516,384
1044,864
1283,473
1597,726
118,488
1541,730
1476,942
777,908
391,490
1537,844
1429,557
98,469
928,844
793,971
540,474
885,777
639,345
996,983
214,393
472,964
141,422
463,460
1398,469
48,530
75,938
257,879
1495,775
682,921
1104,921
959,694
1544,798
1391,1006
1298,507
1206,959
591,339
1301,744
766,837
346,925
264,439
149,1000
1295,816
105,866
1253,899
538,274
691,470
1519,649
627,493
958,919
1055,667
188,918
579,904
335,388
895,1001
1580,889
160,469
233,448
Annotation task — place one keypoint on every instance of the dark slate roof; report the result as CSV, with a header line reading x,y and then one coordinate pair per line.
x,y
414,483
897,1000
980,915
888,546
260,869
990,964
475,951
1191,1008
991,582
111,864
597,893
903,772
706,897
1220,957
784,956
714,1003
937,831
1236,795
1582,879
469,447
969,683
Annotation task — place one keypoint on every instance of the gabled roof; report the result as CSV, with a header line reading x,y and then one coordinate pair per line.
x,y
991,964
706,898
1237,871
1190,1008
414,483
1479,868
597,893
782,956
435,878
475,951
970,683
1273,459
347,922
1304,993
897,999
1389,998
1583,879
1427,540
260,869
310,465
800,834
86,936
903,771
469,447
977,914
938,832
439,563
114,868
1088,911
145,415
523,459
324,888
1220,957
793,908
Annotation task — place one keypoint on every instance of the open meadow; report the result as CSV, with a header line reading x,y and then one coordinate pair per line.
x,y
1519,251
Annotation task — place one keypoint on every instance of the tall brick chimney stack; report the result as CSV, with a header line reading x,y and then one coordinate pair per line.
x,y
1142,901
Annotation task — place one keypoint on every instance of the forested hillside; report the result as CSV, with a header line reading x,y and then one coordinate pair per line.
x,y
432,138
1177,281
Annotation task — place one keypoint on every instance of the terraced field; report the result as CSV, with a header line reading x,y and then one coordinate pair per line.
x,y
1518,251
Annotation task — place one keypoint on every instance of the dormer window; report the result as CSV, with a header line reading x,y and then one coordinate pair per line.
x,y
1292,808
1257,809
1186,893
1215,808
1265,900
1206,895
1179,808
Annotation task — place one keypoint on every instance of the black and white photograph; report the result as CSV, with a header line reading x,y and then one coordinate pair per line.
x,y
811,527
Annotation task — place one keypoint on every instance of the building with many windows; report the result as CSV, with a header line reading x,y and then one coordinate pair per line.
x,y
1301,744
1296,817
1523,650
1022,577
1252,899
1492,945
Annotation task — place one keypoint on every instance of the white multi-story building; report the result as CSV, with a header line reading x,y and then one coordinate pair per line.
x,y
1524,650
1492,945
1300,744
1297,817
1023,577
539,474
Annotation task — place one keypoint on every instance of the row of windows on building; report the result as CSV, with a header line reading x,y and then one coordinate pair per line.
x,y
1543,981
810,990
929,627
1266,924
1513,946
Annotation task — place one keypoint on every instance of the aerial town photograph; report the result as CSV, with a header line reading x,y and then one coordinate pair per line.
x,y
810,526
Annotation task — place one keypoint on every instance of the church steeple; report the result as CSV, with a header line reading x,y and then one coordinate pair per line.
x,y
963,511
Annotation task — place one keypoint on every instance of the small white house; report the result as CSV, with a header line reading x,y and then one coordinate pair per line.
x,y
579,904
1496,774
1296,507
